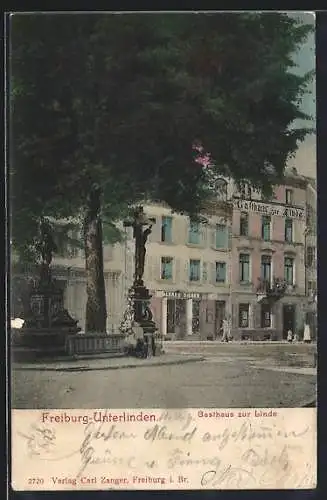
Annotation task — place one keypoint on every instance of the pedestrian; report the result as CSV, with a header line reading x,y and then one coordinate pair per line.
x,y
296,337
289,336
229,328
219,330
307,334
225,331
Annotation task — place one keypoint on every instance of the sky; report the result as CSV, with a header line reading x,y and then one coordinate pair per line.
x,y
305,159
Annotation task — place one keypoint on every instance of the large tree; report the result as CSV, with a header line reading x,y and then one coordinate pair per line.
x,y
106,109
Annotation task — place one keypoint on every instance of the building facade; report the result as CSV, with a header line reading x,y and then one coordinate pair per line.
x,y
268,248
224,267
188,271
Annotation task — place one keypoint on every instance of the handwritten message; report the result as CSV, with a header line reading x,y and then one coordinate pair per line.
x,y
163,449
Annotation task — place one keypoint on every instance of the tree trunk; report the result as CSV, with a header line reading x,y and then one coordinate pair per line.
x,y
96,313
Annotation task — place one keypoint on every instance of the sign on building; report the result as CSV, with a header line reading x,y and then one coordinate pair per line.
x,y
179,295
271,209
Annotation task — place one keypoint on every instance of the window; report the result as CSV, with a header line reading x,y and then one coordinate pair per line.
x,y
166,268
310,256
289,197
265,227
244,225
220,272
194,270
266,268
243,318
288,270
194,233
244,268
265,316
288,230
166,229
221,236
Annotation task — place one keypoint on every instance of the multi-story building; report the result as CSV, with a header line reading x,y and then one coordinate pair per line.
x,y
199,273
188,271
268,249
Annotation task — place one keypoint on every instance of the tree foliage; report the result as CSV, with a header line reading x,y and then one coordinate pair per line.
x,y
118,100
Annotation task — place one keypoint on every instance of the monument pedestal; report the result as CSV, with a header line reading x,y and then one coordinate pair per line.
x,y
144,317
138,311
47,324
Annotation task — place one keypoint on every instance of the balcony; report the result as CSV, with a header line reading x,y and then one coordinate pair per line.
x,y
271,292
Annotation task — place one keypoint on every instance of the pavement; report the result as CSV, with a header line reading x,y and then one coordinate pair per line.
x,y
191,375
233,342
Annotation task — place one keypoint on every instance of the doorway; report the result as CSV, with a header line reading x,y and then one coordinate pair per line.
x,y
195,316
176,317
219,316
265,316
288,319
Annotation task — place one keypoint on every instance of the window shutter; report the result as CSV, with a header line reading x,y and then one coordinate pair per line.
x,y
230,236
205,271
170,226
203,234
226,237
155,234
225,272
186,276
213,273
156,268
177,270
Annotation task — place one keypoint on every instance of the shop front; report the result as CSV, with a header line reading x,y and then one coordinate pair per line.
x,y
184,315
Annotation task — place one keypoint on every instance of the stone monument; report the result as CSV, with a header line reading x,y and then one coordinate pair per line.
x,y
46,322
138,308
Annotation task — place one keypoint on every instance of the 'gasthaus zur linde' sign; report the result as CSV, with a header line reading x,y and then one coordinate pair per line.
x,y
269,209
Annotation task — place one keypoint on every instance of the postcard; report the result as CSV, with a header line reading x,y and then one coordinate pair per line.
x,y
163,283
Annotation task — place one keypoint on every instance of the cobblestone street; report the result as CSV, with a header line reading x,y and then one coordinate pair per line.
x,y
231,375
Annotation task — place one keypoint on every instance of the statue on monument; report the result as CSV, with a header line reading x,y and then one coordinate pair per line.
x,y
142,227
45,246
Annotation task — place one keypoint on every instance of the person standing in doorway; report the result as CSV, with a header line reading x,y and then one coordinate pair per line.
x,y
289,336
219,331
